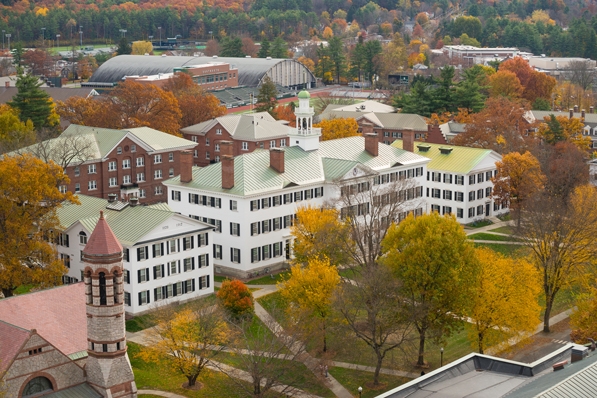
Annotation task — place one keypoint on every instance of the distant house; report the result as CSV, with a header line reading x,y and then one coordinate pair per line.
x,y
589,119
452,129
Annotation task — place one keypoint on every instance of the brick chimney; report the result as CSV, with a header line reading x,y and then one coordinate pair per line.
x,y
227,172
371,143
591,109
408,140
571,113
186,166
6,84
226,148
366,128
582,113
575,108
276,159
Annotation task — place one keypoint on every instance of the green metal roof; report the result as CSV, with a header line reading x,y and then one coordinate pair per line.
x,y
78,355
129,224
460,160
304,95
333,159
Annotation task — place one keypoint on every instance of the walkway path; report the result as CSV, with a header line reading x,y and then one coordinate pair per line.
x,y
160,393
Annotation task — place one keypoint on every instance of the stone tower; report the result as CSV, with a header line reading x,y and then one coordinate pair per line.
x,y
108,368
304,135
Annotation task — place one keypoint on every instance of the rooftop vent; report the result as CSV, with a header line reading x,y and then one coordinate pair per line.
x,y
424,147
446,150
134,201
117,205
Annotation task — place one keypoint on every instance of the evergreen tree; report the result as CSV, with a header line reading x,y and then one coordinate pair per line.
x,y
123,47
279,48
418,101
264,50
232,46
444,94
371,50
337,57
267,97
32,102
17,56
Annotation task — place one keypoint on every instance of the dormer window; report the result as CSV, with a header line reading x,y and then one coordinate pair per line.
x,y
82,238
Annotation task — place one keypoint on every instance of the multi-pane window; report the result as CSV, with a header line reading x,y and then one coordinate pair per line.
x,y
157,159
479,194
187,243
487,175
207,155
283,142
82,238
459,213
173,267
218,131
218,252
207,142
112,166
471,179
245,146
91,169
171,157
480,210
265,226
202,240
91,185
140,161
448,195
188,264
171,172
176,195
142,193
143,275
144,297
112,181
255,254
194,138
157,174
459,180
234,255
158,249
471,212
158,271
277,249
140,177
488,192
267,253
471,195
142,253
126,163
204,282
217,147
126,179
272,144
255,228
127,299
77,171
172,247
480,177
459,196
133,148
233,205
234,229
119,150
203,260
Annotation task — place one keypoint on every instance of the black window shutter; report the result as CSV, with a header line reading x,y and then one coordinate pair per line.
x,y
139,276
140,298
192,241
200,284
146,252
148,297
184,244
284,199
139,253
155,271
193,283
168,248
207,260
174,291
66,240
164,291
155,294
231,257
207,280
153,250
168,269
230,228
192,263
179,266
206,239
162,249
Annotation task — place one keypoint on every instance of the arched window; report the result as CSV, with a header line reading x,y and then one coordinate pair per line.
x,y
102,288
36,386
82,238
114,288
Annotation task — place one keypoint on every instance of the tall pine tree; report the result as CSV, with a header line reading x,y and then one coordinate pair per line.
x,y
267,97
32,102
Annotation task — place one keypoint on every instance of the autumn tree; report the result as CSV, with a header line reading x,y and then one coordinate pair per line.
x,y
249,48
437,267
212,47
582,73
561,239
505,299
518,178
307,62
335,128
86,66
582,321
188,338
65,150
14,133
195,104
500,126
141,47
33,103
286,112
319,233
506,84
561,128
370,311
309,291
236,298
535,84
27,216
267,97
38,60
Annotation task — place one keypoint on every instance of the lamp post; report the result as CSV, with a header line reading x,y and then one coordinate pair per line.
x,y
211,33
8,35
441,356
81,35
150,39
123,32
160,29
58,42
360,390
43,36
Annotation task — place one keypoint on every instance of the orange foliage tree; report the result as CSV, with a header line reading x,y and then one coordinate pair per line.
x,y
500,126
236,298
285,112
535,84
506,84
332,129
129,105
196,105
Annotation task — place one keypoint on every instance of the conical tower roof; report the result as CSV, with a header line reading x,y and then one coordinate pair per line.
x,y
102,241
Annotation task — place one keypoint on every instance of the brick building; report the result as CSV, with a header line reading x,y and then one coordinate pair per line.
x,y
246,132
210,76
131,162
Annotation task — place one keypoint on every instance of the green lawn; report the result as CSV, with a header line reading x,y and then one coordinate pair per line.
x,y
151,376
348,273
479,224
220,279
505,249
303,379
271,301
23,289
353,379
488,236
503,230
268,280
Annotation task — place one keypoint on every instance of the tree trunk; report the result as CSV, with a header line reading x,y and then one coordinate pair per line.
x,y
325,343
377,369
480,343
7,292
256,386
548,306
421,361
192,379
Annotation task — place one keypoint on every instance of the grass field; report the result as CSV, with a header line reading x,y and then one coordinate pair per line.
x,y
353,379
268,280
505,249
478,224
488,236
503,230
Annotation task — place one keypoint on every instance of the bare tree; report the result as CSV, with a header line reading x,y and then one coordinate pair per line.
x,y
371,311
66,150
269,354
372,203
582,73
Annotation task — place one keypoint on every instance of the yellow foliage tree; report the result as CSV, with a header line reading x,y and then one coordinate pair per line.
x,y
308,62
519,176
505,83
583,321
14,133
332,129
542,16
319,233
505,301
328,33
309,290
562,128
30,197
142,47
187,339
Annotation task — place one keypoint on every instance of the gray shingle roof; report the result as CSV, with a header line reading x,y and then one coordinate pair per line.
x,y
393,121
252,174
250,127
250,70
